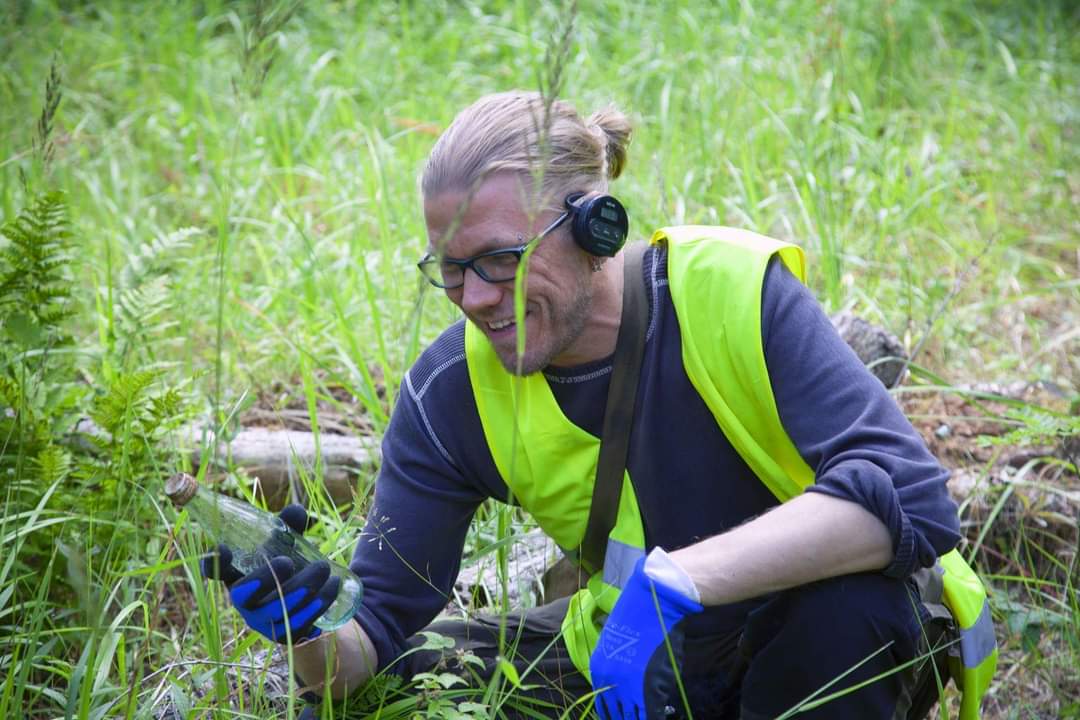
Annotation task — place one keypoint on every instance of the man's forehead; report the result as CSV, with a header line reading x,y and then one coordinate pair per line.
x,y
494,215
499,194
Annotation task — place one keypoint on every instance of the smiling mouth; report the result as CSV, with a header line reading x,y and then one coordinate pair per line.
x,y
498,326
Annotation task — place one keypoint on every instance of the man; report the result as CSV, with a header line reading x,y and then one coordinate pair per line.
x,y
755,596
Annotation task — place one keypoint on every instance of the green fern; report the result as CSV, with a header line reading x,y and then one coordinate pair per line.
x,y
35,278
156,258
123,404
146,299
38,393
52,464
1036,426
133,416
143,320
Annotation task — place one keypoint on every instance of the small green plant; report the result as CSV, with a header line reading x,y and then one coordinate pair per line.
x,y
37,391
1035,426
434,690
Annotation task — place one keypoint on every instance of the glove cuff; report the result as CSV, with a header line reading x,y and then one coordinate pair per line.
x,y
669,598
662,568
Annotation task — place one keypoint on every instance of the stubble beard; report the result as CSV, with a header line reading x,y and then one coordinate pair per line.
x,y
566,326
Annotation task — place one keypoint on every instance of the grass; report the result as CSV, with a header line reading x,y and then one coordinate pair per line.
x,y
242,188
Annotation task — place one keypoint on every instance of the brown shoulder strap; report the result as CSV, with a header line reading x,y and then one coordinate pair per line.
x,y
619,412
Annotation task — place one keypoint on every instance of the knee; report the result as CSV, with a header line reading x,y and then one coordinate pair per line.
x,y
854,627
842,616
867,609
853,598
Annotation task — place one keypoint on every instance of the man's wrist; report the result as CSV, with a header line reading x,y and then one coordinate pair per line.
x,y
662,568
343,659
312,656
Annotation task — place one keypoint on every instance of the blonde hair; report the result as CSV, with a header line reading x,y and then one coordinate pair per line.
x,y
514,132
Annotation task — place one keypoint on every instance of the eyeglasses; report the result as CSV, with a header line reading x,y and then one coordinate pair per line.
x,y
493,266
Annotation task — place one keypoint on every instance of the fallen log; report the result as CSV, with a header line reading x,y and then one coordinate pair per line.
x,y
880,350
529,556
278,459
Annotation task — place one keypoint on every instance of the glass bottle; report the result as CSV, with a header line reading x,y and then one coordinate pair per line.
x,y
255,536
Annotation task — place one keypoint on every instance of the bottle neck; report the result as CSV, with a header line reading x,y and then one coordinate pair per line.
x,y
235,523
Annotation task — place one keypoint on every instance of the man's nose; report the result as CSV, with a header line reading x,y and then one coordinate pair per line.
x,y
478,294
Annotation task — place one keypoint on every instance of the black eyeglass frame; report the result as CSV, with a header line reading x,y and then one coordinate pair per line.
x,y
469,263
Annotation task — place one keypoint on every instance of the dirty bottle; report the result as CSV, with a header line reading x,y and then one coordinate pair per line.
x,y
255,537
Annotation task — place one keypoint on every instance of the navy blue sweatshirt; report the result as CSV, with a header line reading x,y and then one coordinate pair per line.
x,y
689,481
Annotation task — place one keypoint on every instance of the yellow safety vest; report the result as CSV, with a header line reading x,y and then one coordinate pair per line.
x,y
715,277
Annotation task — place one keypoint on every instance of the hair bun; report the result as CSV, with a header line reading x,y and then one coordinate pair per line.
x,y
616,130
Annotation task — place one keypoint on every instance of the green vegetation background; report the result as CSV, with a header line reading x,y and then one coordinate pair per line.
x,y
240,180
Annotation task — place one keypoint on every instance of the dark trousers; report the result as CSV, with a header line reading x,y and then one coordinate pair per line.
x,y
798,647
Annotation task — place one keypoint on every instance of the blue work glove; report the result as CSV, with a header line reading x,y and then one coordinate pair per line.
x,y
307,592
631,668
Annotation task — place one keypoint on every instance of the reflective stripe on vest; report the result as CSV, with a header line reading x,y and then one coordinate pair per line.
x,y
978,641
715,277
965,596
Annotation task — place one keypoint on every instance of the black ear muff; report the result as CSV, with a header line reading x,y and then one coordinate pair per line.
x,y
598,223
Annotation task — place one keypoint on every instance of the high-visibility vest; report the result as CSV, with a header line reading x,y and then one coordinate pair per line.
x,y
715,277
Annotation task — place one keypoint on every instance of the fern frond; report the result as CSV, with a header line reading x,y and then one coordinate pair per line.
x,y
138,307
143,317
168,406
146,299
52,464
157,257
35,273
122,401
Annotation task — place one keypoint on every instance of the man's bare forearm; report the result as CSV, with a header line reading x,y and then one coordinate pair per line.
x,y
811,537
344,658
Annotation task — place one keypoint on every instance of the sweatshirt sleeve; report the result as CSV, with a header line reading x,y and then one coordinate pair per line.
x,y
409,553
849,429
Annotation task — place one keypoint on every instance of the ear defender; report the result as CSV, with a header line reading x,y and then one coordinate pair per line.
x,y
599,223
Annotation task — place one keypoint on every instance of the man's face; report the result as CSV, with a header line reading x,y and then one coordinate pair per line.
x,y
558,283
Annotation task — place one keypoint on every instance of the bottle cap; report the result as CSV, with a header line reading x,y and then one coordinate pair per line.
x,y
180,488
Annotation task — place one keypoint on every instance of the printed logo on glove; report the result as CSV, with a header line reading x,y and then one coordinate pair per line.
x,y
617,642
